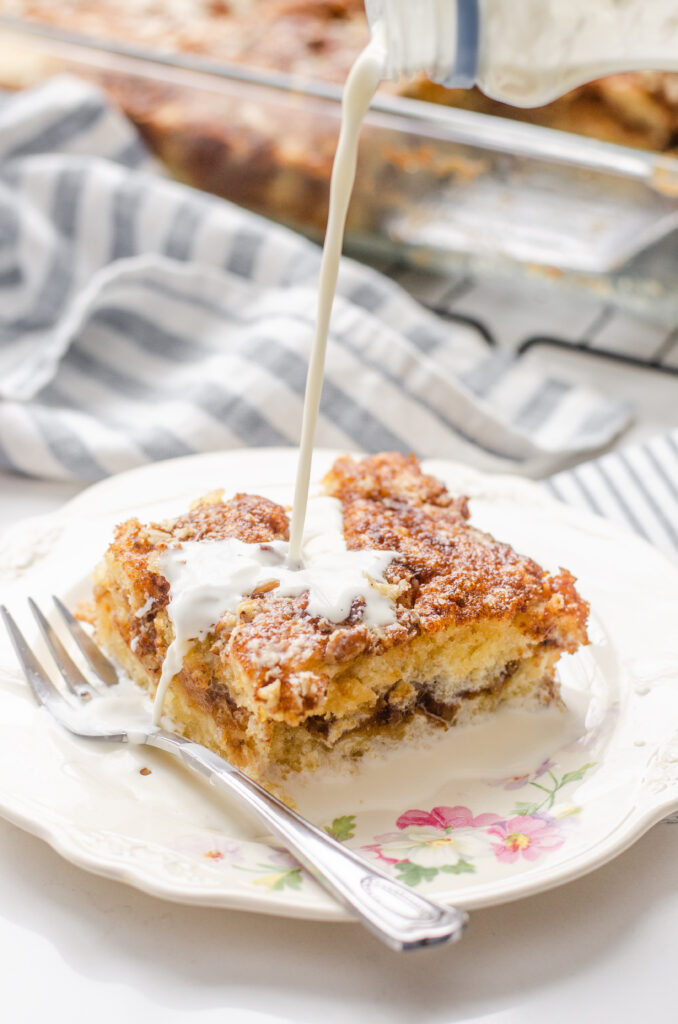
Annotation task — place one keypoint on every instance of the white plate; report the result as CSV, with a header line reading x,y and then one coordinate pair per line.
x,y
482,815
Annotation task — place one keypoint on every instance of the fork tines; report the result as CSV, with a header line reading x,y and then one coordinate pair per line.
x,y
74,679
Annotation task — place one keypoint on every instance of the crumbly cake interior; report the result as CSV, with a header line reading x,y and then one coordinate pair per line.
x,y
274,688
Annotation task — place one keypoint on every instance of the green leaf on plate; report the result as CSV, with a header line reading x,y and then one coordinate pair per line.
x,y
413,874
525,808
576,775
342,828
290,879
462,867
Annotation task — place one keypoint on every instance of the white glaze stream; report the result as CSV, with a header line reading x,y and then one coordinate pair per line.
x,y
360,88
209,579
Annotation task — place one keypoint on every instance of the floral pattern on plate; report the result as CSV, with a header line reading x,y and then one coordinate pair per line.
x,y
453,840
424,844
269,868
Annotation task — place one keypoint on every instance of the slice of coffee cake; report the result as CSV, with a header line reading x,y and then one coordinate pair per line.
x,y
403,618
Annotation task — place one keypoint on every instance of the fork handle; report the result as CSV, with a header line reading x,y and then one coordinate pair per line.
x,y
403,919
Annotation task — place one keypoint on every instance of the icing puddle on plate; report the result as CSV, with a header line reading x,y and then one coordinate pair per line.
x,y
507,750
507,744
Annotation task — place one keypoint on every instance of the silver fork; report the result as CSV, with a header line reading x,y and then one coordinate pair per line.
x,y
400,917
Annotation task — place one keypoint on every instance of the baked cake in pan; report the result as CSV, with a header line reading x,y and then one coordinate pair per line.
x,y
274,688
320,39
272,151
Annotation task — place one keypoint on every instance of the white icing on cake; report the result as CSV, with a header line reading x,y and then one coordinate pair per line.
x,y
209,578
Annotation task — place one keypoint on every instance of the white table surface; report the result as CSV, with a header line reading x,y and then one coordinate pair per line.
x,y
75,947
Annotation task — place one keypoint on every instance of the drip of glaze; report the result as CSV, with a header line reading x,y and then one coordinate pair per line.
x,y
359,90
210,578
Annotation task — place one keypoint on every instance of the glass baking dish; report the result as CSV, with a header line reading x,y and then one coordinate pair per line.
x,y
436,186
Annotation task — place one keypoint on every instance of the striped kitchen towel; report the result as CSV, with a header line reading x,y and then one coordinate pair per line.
x,y
140,319
636,486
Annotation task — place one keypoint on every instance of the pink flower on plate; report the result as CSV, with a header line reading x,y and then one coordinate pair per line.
x,y
526,835
383,850
446,817
432,839
518,781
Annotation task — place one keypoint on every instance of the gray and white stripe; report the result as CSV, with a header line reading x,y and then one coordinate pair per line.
x,y
636,486
140,319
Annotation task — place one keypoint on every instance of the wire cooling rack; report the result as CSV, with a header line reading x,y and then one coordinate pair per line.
x,y
521,316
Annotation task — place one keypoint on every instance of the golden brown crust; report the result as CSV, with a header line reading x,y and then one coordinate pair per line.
x,y
458,574
637,109
312,37
252,519
132,545
447,574
389,477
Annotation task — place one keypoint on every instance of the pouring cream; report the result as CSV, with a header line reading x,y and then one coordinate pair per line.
x,y
209,578
359,90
